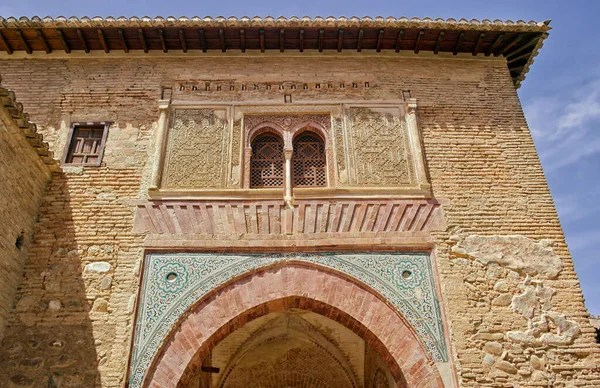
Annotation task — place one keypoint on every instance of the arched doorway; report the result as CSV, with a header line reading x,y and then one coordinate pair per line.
x,y
286,289
292,348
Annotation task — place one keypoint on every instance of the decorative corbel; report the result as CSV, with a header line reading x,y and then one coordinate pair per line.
x,y
161,140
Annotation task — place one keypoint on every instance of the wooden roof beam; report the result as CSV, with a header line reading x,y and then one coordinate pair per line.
x,y
478,44
361,32
243,40
202,36
182,41
281,40
63,39
321,35
379,40
418,42
7,47
262,40
163,43
514,42
461,37
123,41
22,39
494,45
103,41
42,38
517,69
86,48
340,40
399,40
518,58
222,40
519,50
143,40
301,48
438,43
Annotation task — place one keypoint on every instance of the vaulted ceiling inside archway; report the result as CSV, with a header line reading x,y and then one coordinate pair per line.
x,y
294,348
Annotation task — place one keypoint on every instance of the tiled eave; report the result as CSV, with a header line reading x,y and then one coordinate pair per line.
x,y
518,41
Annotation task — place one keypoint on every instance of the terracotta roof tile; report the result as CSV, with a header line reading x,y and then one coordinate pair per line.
x,y
269,21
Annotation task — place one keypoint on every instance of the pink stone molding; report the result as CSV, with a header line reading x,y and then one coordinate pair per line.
x,y
274,217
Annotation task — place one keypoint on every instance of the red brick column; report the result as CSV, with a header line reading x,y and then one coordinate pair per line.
x,y
294,285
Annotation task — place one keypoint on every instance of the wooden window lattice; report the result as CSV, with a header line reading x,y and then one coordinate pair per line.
x,y
309,161
86,144
266,165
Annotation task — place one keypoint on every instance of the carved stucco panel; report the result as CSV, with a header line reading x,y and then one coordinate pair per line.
x,y
197,149
378,147
340,151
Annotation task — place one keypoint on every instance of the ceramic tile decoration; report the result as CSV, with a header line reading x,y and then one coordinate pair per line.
x,y
175,281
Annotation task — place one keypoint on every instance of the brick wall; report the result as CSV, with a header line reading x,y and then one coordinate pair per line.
x,y
479,155
23,174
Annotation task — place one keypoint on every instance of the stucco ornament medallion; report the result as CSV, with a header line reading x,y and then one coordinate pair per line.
x,y
408,275
171,277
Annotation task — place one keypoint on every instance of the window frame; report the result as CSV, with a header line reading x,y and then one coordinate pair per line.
x,y
252,160
75,125
313,132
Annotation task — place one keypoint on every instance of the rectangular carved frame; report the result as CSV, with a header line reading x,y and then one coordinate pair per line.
x,y
343,184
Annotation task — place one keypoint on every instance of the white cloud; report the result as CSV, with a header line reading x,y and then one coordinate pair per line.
x,y
567,128
580,112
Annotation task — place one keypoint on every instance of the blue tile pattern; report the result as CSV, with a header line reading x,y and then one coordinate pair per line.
x,y
173,282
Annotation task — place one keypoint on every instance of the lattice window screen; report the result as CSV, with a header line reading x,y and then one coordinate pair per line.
x,y
309,161
86,144
266,165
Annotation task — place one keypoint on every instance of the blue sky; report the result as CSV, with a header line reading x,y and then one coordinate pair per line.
x,y
561,95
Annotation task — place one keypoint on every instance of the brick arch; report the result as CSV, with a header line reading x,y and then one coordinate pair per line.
x,y
293,285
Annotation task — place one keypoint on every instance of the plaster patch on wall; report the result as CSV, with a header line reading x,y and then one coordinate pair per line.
x,y
551,328
542,331
518,253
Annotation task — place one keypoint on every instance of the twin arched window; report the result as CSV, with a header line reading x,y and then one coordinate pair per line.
x,y
308,161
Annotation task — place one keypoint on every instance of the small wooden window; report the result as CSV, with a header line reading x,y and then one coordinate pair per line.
x,y
86,144
309,161
266,164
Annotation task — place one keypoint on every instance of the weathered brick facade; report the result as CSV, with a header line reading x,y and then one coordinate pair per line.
x,y
24,175
498,274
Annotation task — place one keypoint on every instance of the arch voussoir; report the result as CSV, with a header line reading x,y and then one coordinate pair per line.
x,y
292,285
